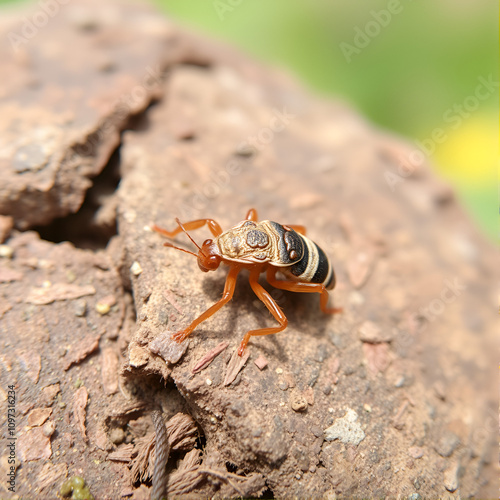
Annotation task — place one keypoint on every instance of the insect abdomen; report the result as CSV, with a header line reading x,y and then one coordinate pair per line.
x,y
314,266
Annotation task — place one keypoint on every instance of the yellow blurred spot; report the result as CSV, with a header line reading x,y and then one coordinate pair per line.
x,y
468,155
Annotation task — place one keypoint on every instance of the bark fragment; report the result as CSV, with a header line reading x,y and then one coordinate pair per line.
x,y
80,399
84,348
209,357
58,291
38,416
34,445
236,364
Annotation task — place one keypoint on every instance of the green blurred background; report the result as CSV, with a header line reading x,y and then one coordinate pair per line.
x,y
420,59
410,66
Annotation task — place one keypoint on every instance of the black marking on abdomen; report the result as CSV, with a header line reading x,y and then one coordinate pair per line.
x,y
290,244
322,268
314,267
300,267
331,280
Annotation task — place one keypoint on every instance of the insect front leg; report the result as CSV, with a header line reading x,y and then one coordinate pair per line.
x,y
252,215
226,297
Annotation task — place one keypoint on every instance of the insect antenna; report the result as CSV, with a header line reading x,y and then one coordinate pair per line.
x,y
166,244
189,236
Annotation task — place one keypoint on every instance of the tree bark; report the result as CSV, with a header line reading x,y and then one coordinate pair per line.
x,y
392,397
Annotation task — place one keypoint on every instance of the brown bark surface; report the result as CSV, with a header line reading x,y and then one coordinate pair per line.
x,y
392,397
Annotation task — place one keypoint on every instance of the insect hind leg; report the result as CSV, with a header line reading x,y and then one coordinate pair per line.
x,y
271,305
214,227
297,286
298,228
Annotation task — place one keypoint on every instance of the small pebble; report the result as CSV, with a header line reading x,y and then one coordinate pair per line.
x,y
102,309
49,428
105,304
400,382
117,435
80,308
414,496
60,402
136,268
6,251
299,403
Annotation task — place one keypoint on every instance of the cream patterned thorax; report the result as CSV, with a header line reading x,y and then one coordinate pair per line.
x,y
257,242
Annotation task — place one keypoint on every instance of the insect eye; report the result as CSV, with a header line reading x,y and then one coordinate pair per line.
x,y
207,242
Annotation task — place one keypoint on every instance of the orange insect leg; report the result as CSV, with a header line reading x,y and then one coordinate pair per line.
x,y
226,297
252,215
274,309
298,228
294,286
214,227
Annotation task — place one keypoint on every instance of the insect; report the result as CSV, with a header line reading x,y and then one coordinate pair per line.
x,y
258,247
